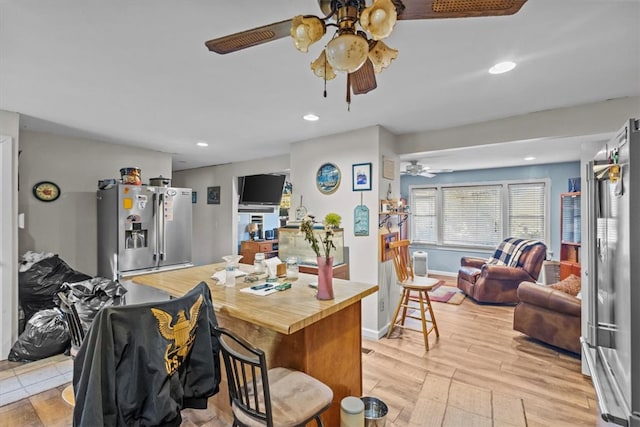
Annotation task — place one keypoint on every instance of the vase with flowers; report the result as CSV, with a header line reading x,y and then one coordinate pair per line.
x,y
321,241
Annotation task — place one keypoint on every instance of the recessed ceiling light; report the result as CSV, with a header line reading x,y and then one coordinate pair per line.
x,y
202,144
529,158
311,117
502,67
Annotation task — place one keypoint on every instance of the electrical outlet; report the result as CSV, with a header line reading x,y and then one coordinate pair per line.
x,y
381,305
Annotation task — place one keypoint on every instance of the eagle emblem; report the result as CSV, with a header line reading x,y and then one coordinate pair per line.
x,y
181,333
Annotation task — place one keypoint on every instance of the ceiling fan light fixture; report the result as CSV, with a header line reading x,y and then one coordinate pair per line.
x,y
381,55
322,68
379,19
347,52
306,30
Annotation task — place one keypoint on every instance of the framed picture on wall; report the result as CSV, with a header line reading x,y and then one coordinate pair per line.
x,y
388,168
361,177
213,195
194,197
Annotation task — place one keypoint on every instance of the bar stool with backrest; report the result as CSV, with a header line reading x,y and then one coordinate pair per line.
x,y
420,286
268,397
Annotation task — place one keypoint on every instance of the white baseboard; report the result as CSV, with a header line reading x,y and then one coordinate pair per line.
x,y
444,273
374,335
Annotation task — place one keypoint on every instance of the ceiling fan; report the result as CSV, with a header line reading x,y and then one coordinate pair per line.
x,y
416,169
356,48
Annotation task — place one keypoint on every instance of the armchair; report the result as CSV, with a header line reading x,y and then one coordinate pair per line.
x,y
549,314
493,282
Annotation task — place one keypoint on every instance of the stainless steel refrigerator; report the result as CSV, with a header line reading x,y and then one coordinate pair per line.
x,y
143,228
611,345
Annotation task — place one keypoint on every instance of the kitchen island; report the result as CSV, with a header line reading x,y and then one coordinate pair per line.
x,y
321,338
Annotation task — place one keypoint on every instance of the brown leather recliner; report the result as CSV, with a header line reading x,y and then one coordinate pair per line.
x,y
498,283
549,315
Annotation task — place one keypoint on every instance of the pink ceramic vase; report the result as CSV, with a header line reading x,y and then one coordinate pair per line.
x,y
325,278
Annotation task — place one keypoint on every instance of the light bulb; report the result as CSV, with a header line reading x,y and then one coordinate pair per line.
x,y
347,52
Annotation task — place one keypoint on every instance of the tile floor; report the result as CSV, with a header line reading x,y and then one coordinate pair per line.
x,y
32,378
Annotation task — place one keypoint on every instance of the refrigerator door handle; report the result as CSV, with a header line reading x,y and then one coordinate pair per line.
x,y
161,225
155,228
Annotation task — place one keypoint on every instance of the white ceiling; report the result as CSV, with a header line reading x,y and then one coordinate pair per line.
x,y
137,72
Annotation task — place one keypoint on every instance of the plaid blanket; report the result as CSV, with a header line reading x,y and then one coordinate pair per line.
x,y
510,249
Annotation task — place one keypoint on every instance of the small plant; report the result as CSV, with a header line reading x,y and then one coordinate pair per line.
x,y
332,220
324,237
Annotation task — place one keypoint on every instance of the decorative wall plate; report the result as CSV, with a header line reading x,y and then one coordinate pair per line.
x,y
46,191
328,178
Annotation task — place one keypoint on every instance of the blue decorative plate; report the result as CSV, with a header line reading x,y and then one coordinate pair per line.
x,y
328,178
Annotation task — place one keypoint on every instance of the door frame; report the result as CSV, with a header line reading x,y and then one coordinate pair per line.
x,y
8,245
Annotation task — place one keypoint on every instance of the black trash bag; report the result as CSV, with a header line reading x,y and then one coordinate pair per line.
x,y
90,296
46,334
39,284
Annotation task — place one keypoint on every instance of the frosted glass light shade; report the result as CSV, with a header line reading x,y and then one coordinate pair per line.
x,y
322,68
306,30
347,52
381,56
379,19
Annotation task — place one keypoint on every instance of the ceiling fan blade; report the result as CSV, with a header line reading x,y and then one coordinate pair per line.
x,y
363,80
434,9
248,38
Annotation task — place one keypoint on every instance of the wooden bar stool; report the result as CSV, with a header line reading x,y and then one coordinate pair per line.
x,y
420,286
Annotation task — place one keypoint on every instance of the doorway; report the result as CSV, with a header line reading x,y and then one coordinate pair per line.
x,y
8,245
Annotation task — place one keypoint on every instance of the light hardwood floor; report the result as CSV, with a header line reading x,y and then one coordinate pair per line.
x,y
479,372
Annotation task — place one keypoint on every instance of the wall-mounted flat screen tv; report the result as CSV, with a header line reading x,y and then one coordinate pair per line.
x,y
261,189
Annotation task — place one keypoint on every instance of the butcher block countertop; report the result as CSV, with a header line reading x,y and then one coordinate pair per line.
x,y
285,312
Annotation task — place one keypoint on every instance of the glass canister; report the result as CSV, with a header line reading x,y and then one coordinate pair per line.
x,y
292,268
259,264
131,176
352,412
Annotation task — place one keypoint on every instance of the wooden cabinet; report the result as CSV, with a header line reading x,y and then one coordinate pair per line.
x,y
340,271
249,249
571,234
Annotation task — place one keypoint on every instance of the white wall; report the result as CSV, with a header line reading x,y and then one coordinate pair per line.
x,y
9,130
215,231
588,119
389,291
68,226
344,150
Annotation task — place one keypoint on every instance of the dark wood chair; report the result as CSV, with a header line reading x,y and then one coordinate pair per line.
x,y
268,397
77,333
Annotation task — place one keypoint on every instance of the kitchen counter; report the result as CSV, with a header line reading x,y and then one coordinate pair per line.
x,y
296,330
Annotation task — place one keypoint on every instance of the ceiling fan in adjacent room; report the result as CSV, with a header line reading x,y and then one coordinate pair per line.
x,y
356,46
416,169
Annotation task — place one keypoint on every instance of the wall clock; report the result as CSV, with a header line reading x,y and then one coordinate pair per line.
x,y
328,178
46,191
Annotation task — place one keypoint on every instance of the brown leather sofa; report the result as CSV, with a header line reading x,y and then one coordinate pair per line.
x,y
498,283
549,315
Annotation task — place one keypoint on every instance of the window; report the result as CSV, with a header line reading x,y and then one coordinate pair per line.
x,y
526,211
424,216
478,215
472,216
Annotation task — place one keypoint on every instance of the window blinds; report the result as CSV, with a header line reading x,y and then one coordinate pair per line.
x,y
472,216
425,224
526,210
